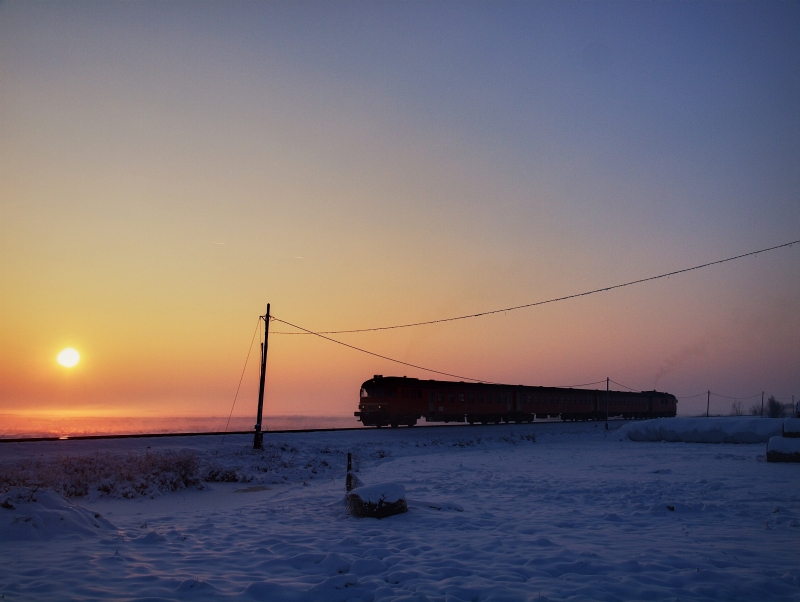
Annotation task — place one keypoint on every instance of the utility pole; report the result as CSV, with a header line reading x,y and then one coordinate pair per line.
x,y
762,405
258,439
708,403
607,379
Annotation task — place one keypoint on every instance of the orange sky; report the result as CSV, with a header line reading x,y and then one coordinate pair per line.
x,y
166,170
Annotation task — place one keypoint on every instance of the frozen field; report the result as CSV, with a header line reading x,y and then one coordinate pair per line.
x,y
579,514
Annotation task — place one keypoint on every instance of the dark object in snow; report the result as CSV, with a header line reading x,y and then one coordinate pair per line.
x,y
373,501
791,428
377,501
783,449
671,508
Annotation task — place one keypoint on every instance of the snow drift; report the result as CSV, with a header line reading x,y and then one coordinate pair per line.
x,y
733,429
42,515
783,449
791,427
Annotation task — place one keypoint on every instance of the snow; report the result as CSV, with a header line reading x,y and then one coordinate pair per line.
x,y
730,429
784,445
791,427
387,493
41,515
578,514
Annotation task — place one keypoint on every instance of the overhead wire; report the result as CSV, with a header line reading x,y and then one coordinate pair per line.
x,y
597,382
239,386
736,398
391,359
322,334
488,382
621,385
554,300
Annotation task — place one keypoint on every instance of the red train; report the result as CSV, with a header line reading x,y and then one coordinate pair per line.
x,y
396,400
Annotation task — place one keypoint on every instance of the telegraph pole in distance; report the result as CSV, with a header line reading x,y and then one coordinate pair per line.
x,y
607,379
258,439
708,403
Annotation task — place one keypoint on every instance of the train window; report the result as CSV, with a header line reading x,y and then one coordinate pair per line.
x,y
471,397
460,398
439,396
451,396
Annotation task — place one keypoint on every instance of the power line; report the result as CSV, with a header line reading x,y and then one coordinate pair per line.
x,y
574,296
623,386
239,386
320,335
488,382
719,395
736,398
597,382
692,396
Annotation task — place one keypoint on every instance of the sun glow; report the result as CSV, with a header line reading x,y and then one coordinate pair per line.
x,y
69,357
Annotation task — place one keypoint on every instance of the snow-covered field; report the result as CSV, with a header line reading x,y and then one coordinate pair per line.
x,y
577,514
728,429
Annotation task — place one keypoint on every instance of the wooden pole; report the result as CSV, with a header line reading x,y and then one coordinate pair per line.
x,y
258,439
708,403
607,379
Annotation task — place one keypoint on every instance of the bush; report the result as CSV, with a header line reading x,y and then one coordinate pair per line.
x,y
774,408
736,409
755,409
130,475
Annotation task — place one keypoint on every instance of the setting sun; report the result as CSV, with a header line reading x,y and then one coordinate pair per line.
x,y
69,357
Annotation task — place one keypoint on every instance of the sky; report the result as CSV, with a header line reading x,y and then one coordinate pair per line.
x,y
167,169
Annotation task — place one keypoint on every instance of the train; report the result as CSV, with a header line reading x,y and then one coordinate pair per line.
x,y
398,400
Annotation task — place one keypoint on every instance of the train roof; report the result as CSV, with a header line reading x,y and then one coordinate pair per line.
x,y
398,381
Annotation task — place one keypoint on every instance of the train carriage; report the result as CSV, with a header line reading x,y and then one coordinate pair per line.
x,y
394,401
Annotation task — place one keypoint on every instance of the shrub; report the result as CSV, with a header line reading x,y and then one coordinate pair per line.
x,y
130,475
736,409
774,408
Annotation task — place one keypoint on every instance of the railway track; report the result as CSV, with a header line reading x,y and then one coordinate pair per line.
x,y
250,432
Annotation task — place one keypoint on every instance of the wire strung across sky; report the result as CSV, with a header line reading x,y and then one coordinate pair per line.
x,y
704,393
477,380
239,386
536,303
322,334
621,385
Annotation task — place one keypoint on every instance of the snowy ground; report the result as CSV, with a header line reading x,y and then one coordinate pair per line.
x,y
578,514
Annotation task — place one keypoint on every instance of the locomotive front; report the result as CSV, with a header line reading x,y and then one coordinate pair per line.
x,y
374,404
